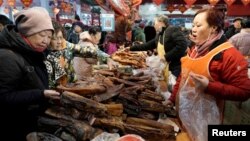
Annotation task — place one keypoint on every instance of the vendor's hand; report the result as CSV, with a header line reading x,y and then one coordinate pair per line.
x,y
201,82
51,94
168,103
112,64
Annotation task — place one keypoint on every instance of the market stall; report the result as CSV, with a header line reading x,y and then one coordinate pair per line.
x,y
124,100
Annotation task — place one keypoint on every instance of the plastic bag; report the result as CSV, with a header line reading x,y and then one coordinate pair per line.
x,y
106,137
156,65
196,111
171,81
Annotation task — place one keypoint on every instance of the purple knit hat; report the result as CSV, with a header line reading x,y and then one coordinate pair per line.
x,y
33,20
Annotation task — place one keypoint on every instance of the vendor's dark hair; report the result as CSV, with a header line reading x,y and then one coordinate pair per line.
x,y
93,30
214,18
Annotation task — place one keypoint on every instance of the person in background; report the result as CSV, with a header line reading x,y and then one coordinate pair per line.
x,y
67,27
233,29
139,35
4,21
242,40
149,32
59,61
134,27
212,72
101,44
170,40
23,77
110,45
73,35
89,40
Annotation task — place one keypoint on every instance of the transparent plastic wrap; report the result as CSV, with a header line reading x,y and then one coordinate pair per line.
x,y
156,65
106,137
196,111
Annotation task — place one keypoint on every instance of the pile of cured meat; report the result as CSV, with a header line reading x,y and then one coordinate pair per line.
x,y
111,101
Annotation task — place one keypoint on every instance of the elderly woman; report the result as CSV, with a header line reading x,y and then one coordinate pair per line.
x,y
212,73
23,76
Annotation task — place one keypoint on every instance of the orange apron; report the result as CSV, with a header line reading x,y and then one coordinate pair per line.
x,y
195,108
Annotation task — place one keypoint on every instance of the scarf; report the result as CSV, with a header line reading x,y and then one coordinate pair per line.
x,y
202,49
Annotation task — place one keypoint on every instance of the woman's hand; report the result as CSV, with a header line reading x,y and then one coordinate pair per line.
x,y
201,82
51,94
112,64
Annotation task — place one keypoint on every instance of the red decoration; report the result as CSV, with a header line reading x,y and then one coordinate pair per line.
x,y
190,2
229,2
245,2
213,2
27,3
1,2
11,3
158,2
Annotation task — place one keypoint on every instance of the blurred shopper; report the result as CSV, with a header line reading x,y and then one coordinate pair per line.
x,y
139,35
89,42
233,29
212,72
73,35
242,40
110,45
149,32
23,77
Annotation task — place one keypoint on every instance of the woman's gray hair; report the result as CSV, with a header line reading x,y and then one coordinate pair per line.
x,y
162,18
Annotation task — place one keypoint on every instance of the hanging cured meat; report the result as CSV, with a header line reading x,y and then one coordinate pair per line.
x,y
136,3
120,7
104,4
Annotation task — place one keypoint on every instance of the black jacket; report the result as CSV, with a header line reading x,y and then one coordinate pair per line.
x,y
175,46
23,78
231,31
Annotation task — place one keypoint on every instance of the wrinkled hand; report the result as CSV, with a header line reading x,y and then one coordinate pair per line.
x,y
168,103
51,94
201,82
